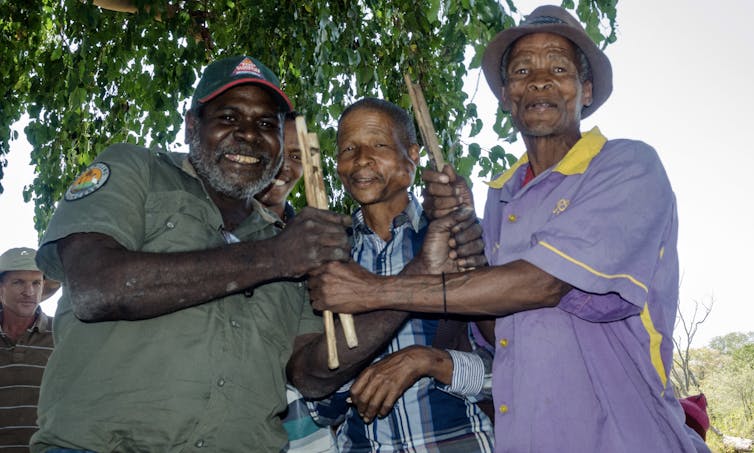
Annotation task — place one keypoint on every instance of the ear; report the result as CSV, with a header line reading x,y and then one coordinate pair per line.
x,y
413,153
586,93
505,102
190,123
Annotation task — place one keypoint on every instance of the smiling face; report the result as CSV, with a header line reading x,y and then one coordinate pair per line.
x,y
235,146
277,192
543,91
21,292
374,164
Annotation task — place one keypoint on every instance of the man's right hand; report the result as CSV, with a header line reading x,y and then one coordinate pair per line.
x,y
313,238
444,192
453,243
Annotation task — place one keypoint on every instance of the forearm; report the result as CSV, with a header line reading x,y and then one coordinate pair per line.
x,y
493,291
307,368
108,282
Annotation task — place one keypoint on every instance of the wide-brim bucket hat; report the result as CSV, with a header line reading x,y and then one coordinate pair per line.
x,y
551,19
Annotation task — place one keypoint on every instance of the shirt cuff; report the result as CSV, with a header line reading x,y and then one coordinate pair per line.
x,y
468,373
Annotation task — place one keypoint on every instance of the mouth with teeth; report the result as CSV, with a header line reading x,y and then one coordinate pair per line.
x,y
541,105
363,180
279,182
241,159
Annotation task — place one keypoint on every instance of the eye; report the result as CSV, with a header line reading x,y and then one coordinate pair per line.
x,y
559,69
295,156
346,149
267,123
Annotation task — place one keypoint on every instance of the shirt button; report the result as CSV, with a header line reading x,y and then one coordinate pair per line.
x,y
512,218
170,225
199,443
503,408
220,382
504,342
233,323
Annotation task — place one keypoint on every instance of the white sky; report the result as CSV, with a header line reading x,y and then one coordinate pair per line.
x,y
682,83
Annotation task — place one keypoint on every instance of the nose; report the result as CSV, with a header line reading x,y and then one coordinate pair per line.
x,y
540,80
30,289
363,156
246,131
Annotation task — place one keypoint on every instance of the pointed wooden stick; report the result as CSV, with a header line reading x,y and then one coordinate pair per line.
x,y
316,196
424,120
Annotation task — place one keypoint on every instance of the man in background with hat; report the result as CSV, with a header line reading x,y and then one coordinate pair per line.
x,y
25,345
581,238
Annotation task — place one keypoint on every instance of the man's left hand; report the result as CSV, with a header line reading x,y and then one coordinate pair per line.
x,y
378,387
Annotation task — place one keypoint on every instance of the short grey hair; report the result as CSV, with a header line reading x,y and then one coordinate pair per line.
x,y
399,117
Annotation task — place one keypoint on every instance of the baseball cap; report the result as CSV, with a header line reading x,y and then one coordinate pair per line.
x,y
221,75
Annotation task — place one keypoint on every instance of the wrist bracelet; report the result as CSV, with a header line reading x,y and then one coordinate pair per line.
x,y
444,298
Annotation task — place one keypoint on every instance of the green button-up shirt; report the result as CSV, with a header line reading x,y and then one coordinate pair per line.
x,y
210,377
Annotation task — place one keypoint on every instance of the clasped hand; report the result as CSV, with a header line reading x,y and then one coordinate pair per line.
x,y
313,238
451,244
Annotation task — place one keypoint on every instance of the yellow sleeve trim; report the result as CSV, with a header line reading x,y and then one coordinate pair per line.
x,y
655,337
591,269
655,340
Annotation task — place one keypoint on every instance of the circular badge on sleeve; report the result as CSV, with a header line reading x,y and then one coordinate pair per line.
x,y
94,177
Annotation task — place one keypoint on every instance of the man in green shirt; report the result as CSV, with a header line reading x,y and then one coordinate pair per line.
x,y
170,334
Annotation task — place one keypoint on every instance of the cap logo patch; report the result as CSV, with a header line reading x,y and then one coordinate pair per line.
x,y
94,177
246,66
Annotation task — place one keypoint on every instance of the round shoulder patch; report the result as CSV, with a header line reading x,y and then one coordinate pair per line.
x,y
94,177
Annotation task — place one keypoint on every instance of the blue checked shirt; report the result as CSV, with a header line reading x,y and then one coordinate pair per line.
x,y
429,416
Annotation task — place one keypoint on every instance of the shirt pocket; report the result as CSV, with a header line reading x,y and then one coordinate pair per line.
x,y
178,221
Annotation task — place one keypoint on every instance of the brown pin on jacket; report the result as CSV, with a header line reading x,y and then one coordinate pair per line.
x,y
316,196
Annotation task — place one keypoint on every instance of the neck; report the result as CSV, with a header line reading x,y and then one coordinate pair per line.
x,y
15,326
544,152
278,209
232,210
379,216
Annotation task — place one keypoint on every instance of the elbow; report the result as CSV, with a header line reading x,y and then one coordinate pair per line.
x,y
312,385
554,292
91,305
308,386
312,392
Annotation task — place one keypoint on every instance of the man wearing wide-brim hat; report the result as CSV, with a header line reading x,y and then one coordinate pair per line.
x,y
581,238
25,344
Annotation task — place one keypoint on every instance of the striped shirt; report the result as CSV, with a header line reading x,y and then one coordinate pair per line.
x,y
21,366
428,416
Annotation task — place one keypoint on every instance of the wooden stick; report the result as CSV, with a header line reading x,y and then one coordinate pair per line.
x,y
316,196
424,120
426,128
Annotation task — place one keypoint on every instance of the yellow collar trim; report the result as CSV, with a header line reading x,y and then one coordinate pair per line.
x,y
576,161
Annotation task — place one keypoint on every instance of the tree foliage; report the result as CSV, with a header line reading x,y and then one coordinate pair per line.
x,y
88,77
724,372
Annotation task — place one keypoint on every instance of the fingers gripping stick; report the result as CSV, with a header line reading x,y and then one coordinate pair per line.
x,y
316,196
426,128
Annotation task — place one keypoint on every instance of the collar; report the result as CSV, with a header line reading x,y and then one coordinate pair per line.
x,y
41,321
576,161
412,214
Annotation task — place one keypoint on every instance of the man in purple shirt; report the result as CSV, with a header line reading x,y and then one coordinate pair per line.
x,y
581,237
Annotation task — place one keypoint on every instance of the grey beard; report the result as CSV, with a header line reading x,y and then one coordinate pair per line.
x,y
211,173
